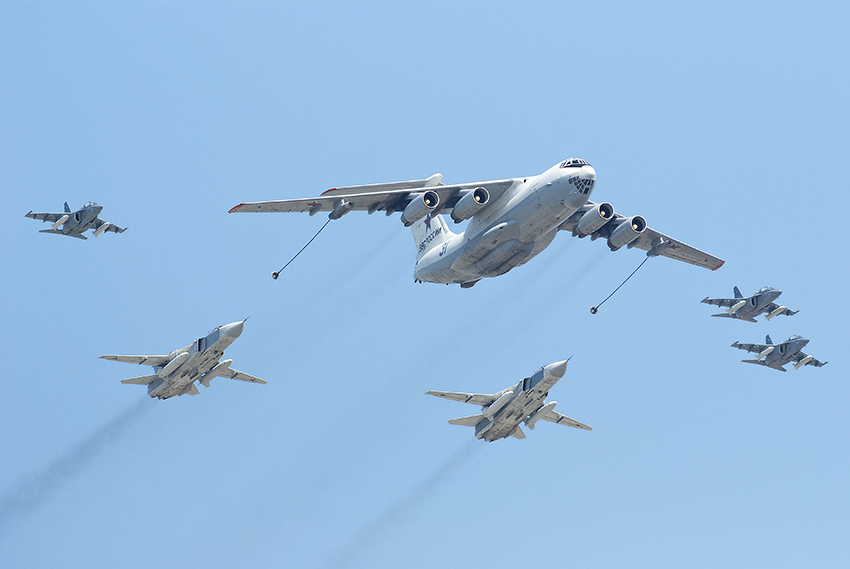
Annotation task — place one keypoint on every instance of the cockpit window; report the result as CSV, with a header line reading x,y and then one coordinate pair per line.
x,y
574,163
794,337
89,204
765,289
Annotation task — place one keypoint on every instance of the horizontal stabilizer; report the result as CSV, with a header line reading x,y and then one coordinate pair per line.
x,y
517,433
143,380
57,232
762,363
469,421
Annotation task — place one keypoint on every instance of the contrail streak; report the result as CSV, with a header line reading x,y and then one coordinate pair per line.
x,y
370,536
34,490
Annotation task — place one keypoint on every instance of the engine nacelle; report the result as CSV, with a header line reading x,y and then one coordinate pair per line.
x,y
629,230
593,219
497,405
468,205
174,364
419,207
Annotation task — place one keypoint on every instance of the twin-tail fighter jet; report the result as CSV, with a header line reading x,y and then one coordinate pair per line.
x,y
775,356
747,308
75,223
510,221
176,373
502,412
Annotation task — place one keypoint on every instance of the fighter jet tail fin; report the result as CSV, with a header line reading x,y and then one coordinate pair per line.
x,y
469,421
737,293
67,209
429,232
143,380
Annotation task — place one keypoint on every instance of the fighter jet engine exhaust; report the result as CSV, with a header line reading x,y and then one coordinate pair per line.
x,y
595,309
36,488
369,536
277,273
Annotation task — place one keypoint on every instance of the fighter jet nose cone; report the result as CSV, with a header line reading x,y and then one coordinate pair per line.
x,y
234,330
557,369
587,172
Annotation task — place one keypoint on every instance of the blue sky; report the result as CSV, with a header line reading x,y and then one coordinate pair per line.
x,y
724,124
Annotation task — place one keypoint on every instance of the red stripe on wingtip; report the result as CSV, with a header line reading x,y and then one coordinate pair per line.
x,y
236,207
326,191
718,266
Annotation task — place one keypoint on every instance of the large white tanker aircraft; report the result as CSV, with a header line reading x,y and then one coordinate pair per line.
x,y
510,221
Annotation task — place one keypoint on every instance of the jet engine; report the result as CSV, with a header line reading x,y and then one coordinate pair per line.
x,y
419,207
593,219
626,232
468,205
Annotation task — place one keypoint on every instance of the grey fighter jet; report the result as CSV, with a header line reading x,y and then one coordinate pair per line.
x,y
176,373
75,223
777,355
502,412
748,308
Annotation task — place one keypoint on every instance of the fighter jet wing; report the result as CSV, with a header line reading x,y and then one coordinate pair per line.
x,y
473,398
98,223
651,241
773,306
241,376
51,217
555,417
754,348
809,361
724,302
141,360
391,197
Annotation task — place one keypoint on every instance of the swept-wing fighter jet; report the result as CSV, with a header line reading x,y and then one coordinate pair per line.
x,y
502,412
777,355
176,373
75,223
748,308
510,221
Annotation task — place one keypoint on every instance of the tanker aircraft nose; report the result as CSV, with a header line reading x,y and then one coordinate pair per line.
x,y
587,172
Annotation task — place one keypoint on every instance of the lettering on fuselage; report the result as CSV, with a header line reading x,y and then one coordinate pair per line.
x,y
428,238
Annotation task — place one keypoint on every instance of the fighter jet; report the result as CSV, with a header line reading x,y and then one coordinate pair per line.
x,y
502,412
510,221
74,224
176,373
748,308
777,355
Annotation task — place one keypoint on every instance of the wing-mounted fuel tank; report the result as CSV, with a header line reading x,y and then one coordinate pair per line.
x,y
470,204
627,231
419,207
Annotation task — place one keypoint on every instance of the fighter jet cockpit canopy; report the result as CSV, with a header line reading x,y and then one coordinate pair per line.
x,y
794,337
765,289
574,163
89,204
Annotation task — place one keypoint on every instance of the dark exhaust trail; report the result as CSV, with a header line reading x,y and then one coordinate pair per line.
x,y
370,536
34,490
